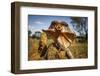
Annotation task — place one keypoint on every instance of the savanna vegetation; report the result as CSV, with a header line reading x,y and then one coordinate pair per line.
x,y
78,49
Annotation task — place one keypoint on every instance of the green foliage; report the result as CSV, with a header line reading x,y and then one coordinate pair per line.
x,y
29,32
80,24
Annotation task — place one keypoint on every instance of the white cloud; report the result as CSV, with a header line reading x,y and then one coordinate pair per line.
x,y
38,22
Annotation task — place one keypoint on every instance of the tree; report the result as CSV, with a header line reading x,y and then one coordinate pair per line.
x,y
80,24
29,32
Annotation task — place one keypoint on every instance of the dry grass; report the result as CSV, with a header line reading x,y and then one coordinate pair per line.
x,y
79,50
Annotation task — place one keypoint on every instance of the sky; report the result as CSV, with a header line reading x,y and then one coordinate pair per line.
x,y
39,22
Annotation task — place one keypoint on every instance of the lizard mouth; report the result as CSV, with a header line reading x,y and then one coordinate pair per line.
x,y
58,28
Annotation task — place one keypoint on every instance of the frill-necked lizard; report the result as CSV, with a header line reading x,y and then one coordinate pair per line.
x,y
61,34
